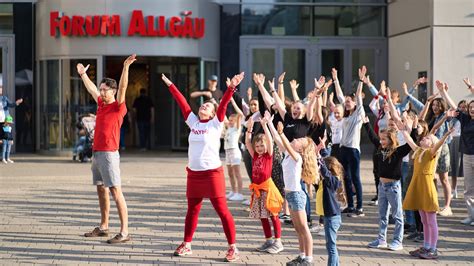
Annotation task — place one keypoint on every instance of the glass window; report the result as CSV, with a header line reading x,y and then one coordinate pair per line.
x,y
348,21
294,64
333,59
49,104
311,1
263,61
276,20
76,101
6,18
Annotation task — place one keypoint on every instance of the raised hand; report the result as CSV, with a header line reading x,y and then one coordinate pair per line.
x,y
249,125
452,113
294,85
405,88
432,97
207,94
235,81
319,83
263,122
249,91
281,78
367,80
130,60
439,85
362,72
383,88
327,84
227,82
280,128
256,79
268,116
81,69
271,84
166,80
467,82
19,101
331,97
419,81
334,74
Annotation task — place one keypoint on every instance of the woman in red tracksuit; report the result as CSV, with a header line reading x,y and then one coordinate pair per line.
x,y
205,173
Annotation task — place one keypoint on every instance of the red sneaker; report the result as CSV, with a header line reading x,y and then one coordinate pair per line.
x,y
232,254
182,250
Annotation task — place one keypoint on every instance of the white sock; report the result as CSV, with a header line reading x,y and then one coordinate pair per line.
x,y
309,258
302,255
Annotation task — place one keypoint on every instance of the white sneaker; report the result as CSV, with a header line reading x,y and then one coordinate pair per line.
x,y
10,161
237,197
455,194
246,202
467,221
321,233
229,194
4,161
472,223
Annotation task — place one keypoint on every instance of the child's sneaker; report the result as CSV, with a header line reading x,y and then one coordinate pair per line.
x,y
265,246
297,261
446,212
377,243
431,254
420,238
395,246
236,197
417,252
316,228
183,250
232,254
229,194
276,247
4,161
284,217
10,161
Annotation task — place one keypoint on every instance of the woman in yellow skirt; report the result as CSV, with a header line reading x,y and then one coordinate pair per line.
x,y
421,194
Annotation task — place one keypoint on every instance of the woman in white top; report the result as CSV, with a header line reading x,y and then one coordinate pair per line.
x,y
205,173
349,152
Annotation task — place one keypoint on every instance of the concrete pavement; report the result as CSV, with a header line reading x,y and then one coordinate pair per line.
x,y
47,203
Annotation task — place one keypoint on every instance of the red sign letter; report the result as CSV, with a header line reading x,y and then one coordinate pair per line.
x,y
137,24
110,25
53,23
78,26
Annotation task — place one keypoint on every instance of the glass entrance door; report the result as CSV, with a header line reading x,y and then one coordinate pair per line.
x,y
304,60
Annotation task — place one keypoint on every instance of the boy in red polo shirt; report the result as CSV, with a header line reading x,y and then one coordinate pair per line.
x,y
106,158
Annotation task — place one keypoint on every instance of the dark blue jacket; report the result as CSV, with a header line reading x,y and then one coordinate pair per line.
x,y
330,186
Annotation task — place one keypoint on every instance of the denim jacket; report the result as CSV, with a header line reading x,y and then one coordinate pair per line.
x,y
6,103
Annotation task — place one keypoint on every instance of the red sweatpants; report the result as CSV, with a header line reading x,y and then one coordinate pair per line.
x,y
220,206
267,229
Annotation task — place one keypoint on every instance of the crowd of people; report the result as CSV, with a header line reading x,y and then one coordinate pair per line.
x,y
295,150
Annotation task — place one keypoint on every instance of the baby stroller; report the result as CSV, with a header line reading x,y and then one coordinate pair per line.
x,y
83,148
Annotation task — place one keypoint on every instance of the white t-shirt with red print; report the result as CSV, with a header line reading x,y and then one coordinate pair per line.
x,y
204,143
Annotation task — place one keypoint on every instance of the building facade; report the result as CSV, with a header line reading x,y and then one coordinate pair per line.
x,y
191,40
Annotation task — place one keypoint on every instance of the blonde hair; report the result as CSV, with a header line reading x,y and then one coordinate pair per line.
x,y
434,140
337,170
310,172
392,136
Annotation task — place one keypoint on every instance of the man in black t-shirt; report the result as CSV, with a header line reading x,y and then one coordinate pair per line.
x,y
145,117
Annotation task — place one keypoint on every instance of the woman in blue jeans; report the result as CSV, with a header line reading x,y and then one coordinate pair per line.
x,y
349,152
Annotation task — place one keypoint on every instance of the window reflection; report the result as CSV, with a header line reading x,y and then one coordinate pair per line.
x,y
276,20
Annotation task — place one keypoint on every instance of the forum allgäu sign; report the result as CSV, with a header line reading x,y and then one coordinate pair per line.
x,y
111,25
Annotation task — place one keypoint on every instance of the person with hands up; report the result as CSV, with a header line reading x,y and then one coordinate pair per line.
x,y
205,177
106,159
421,194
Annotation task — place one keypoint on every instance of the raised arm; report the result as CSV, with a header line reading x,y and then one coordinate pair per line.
x,y
409,140
259,80
469,85
268,136
393,110
440,143
370,132
337,86
294,90
443,90
281,89
248,137
278,102
426,107
234,82
316,101
438,124
362,73
286,143
179,98
374,105
90,86
123,83
239,112
417,105
196,94
276,136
